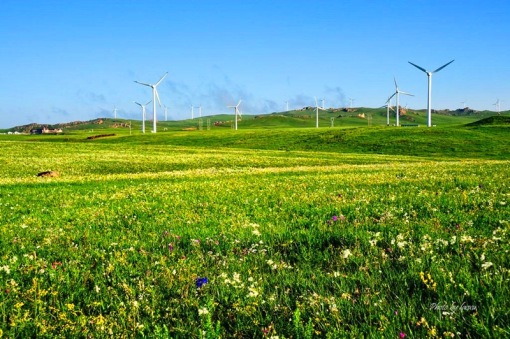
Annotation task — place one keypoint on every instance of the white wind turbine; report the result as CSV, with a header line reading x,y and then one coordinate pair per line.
x,y
115,112
317,113
143,114
388,107
237,112
429,100
192,113
498,105
287,105
154,96
397,107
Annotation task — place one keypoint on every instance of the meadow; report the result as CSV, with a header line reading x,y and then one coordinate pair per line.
x,y
288,233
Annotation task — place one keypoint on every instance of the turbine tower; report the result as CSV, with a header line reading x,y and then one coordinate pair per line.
x,y
429,100
154,96
115,112
397,93
237,112
143,114
200,110
287,105
192,113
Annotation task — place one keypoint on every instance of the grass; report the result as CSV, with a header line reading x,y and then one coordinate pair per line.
x,y
361,232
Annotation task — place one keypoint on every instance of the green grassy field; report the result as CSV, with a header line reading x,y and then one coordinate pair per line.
x,y
288,232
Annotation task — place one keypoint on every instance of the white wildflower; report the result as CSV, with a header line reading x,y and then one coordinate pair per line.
x,y
486,265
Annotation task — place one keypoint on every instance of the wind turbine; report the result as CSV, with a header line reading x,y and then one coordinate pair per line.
x,y
237,112
166,112
287,105
143,114
115,112
192,113
429,101
154,96
322,103
397,93
351,100
498,105
200,110
317,113
388,107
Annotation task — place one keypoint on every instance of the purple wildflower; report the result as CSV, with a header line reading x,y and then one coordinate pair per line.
x,y
170,247
201,282
335,218
402,335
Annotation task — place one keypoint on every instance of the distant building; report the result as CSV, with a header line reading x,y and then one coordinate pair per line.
x,y
45,130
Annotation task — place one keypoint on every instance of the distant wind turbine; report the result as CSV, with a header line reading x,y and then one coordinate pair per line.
x,y
115,112
200,110
154,96
388,107
166,112
287,105
429,101
498,105
143,114
317,113
397,107
351,100
192,112
237,113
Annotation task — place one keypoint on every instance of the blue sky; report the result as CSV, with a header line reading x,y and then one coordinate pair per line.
x,y
76,60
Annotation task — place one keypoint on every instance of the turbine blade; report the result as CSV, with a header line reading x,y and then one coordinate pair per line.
x,y
316,104
440,68
391,97
157,83
407,93
148,103
239,103
142,83
139,104
420,68
157,95
396,86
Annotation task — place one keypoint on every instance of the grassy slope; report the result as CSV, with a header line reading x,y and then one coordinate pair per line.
x,y
484,141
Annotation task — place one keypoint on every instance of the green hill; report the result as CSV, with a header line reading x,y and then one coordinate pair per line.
x,y
356,117
492,120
